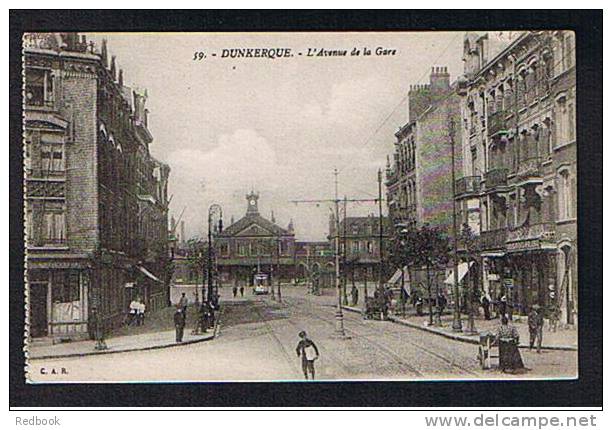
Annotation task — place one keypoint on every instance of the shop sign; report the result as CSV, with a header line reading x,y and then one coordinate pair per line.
x,y
523,245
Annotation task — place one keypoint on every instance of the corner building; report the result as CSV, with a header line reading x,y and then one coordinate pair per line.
x,y
518,188
95,199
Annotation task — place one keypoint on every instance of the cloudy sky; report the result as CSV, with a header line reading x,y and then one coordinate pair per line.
x,y
278,126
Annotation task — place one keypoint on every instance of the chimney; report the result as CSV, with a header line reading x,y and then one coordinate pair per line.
x,y
113,68
272,217
120,78
439,80
104,53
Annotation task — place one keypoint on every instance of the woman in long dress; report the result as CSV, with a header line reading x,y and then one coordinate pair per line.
x,y
509,355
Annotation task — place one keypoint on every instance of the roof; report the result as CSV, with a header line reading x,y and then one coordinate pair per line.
x,y
357,226
258,220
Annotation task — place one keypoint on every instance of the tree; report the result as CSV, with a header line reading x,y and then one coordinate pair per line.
x,y
196,258
429,248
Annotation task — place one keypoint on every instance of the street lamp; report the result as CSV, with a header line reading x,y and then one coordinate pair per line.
x,y
212,210
456,315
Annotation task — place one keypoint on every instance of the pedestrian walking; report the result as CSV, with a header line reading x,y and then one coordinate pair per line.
x,y
486,306
535,321
502,306
242,291
354,295
507,340
179,324
183,304
554,317
235,290
308,351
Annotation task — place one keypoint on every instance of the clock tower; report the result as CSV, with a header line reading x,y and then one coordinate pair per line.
x,y
252,198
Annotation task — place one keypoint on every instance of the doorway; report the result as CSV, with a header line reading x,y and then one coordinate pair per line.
x,y
38,309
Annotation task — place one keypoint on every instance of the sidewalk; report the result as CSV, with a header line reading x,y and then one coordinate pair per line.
x,y
562,339
138,341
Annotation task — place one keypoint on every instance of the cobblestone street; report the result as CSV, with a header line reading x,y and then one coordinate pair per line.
x,y
257,340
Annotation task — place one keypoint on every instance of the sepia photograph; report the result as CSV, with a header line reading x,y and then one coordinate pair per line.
x,y
261,206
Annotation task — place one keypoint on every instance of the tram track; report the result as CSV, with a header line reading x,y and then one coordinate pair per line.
x,y
396,358
423,348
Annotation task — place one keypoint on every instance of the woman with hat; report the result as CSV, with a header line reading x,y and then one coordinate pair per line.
x,y
507,340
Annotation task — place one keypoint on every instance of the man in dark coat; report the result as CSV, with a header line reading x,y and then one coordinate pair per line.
x,y
179,324
486,306
309,352
535,321
354,295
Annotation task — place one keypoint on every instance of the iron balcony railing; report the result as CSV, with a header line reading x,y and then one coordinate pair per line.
x,y
497,123
467,185
529,167
543,231
496,177
493,239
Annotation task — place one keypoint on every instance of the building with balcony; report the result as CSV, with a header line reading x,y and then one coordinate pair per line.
x,y
95,200
518,137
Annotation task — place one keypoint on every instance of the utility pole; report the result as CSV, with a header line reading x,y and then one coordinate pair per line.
x,y
380,234
456,315
339,315
278,281
344,268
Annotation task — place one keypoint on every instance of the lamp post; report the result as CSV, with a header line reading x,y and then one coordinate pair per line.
x,y
456,315
212,210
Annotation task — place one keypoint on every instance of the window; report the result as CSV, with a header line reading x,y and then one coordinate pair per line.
x,y
54,224
568,51
565,116
52,158
39,87
565,195
370,248
571,122
27,155
474,157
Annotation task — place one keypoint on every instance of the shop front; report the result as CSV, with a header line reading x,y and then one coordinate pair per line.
x,y
58,300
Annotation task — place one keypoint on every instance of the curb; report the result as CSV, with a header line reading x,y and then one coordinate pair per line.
x,y
456,337
215,332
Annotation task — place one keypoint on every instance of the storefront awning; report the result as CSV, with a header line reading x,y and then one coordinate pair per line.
x,y
462,270
396,276
149,274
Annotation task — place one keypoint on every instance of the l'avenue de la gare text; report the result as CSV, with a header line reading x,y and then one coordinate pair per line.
x,y
309,52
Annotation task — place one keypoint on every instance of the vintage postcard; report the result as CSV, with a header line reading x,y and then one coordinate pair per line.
x,y
255,206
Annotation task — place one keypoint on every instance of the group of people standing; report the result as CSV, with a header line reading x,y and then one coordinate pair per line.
x,y
205,320
136,312
235,290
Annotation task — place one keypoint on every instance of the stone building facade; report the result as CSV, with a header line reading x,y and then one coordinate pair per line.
x,y
253,245
419,177
360,254
518,187
96,201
